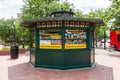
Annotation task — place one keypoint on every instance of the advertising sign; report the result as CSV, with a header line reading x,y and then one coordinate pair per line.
x,y
48,46
74,46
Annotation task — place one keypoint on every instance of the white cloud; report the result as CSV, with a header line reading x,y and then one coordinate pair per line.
x,y
10,8
87,5
14,2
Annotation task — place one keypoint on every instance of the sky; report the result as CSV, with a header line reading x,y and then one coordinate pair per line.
x,y
10,8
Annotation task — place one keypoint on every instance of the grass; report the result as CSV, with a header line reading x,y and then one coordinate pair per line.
x,y
26,47
5,48
8,47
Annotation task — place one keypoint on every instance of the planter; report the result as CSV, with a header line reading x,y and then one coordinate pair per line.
x,y
7,52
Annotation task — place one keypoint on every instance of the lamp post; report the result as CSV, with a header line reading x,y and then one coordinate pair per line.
x,y
14,47
14,34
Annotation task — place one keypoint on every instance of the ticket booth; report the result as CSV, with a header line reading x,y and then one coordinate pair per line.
x,y
62,41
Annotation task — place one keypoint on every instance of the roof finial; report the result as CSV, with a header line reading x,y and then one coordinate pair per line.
x,y
61,1
71,7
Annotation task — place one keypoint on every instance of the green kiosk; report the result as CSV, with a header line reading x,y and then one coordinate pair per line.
x,y
62,41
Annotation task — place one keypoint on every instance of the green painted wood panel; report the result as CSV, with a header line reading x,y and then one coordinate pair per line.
x,y
67,59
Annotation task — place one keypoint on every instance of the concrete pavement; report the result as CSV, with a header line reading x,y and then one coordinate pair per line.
x,y
107,68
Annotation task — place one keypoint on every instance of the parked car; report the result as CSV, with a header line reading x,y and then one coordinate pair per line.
x,y
107,40
101,44
102,41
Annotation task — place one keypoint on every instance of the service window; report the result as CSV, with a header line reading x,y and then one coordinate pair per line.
x,y
75,39
50,39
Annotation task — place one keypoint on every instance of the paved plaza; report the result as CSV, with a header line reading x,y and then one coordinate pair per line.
x,y
107,68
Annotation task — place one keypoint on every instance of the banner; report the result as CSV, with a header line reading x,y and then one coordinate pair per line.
x,y
49,46
67,46
74,46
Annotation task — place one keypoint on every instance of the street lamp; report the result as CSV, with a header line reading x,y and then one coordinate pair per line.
x,y
14,47
14,34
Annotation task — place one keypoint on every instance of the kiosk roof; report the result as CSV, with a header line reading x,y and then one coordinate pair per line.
x,y
28,22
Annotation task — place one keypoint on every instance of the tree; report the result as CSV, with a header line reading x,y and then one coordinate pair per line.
x,y
78,14
6,28
42,8
114,13
101,14
22,34
38,8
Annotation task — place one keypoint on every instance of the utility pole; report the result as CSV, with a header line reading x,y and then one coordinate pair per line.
x,y
104,40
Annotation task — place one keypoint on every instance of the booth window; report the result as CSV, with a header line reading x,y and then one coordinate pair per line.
x,y
50,39
75,39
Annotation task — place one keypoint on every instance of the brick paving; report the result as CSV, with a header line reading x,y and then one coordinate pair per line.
x,y
107,68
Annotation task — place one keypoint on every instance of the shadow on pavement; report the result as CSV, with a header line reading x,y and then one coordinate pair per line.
x,y
115,55
25,71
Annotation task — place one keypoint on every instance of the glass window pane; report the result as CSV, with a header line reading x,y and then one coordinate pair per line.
x,y
75,39
50,39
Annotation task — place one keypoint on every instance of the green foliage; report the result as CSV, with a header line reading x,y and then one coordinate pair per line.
x,y
5,48
22,32
6,28
114,13
6,31
42,8
38,8
99,14
99,32
78,14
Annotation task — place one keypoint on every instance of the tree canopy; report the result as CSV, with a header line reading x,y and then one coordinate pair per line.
x,y
114,13
6,28
42,8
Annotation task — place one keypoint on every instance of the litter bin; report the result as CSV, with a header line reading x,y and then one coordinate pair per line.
x,y
14,52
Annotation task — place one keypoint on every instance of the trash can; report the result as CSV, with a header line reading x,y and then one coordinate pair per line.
x,y
14,52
